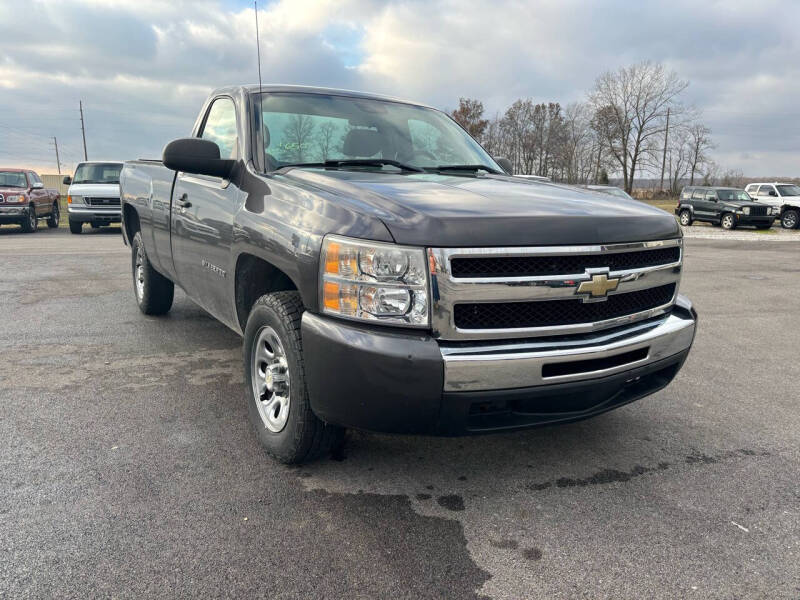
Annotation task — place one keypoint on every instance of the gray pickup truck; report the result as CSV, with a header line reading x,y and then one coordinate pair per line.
x,y
387,274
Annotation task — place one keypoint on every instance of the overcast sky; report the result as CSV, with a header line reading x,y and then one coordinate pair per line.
x,y
143,67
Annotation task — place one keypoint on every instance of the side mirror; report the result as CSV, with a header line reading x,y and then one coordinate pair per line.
x,y
773,193
67,180
505,164
37,185
198,156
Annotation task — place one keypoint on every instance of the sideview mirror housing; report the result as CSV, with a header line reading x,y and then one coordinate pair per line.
x,y
197,156
67,180
36,185
505,164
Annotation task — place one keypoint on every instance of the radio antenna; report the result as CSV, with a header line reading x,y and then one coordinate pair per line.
x,y
258,47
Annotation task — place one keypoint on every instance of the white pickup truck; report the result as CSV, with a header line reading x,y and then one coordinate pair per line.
x,y
93,195
784,196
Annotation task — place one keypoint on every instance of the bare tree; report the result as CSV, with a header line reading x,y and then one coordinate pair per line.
x,y
630,107
297,137
700,143
325,139
469,115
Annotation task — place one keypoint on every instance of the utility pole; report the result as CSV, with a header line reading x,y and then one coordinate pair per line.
x,y
58,162
83,131
664,160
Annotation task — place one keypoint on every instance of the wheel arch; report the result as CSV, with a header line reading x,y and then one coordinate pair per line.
x,y
130,222
254,277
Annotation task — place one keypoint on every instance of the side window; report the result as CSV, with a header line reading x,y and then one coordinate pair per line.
x,y
686,194
220,127
34,177
711,195
751,189
764,190
698,195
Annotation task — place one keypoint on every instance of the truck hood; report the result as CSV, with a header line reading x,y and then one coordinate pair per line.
x,y
101,190
494,210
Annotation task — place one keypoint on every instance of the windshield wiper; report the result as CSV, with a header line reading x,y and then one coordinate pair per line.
x,y
359,162
473,168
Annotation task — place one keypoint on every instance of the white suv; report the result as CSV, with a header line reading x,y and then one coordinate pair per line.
x,y
784,196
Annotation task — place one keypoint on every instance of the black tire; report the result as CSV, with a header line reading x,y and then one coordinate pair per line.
x,y
685,217
75,227
30,223
303,436
153,292
728,221
55,216
790,219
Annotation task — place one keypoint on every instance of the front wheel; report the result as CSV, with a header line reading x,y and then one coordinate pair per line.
x,y
75,227
154,292
277,399
728,221
686,218
55,216
31,223
790,218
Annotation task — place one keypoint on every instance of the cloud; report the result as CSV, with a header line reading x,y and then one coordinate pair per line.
x,y
143,67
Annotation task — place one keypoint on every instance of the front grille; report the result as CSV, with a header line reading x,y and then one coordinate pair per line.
x,y
531,266
758,211
102,201
548,313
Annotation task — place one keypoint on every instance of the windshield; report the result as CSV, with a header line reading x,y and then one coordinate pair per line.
x,y
736,195
13,179
788,190
314,128
97,173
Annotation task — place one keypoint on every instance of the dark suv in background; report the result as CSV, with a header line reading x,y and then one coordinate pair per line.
x,y
728,207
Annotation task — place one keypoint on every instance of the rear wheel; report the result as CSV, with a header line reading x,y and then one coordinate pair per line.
x,y
686,218
75,226
154,292
277,399
55,216
728,221
31,223
790,218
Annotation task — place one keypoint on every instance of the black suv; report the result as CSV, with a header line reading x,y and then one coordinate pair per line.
x,y
729,207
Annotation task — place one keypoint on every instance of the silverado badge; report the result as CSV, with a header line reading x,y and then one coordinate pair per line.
x,y
597,287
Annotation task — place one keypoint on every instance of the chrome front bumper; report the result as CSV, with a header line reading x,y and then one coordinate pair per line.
x,y
526,364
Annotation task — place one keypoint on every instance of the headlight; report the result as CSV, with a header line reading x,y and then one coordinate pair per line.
x,y
74,199
15,198
374,281
746,210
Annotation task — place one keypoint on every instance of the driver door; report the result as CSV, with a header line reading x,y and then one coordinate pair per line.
x,y
202,212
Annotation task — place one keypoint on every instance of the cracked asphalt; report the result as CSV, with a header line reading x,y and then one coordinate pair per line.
x,y
129,470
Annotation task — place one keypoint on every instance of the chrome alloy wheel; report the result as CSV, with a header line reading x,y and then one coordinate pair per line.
x,y
685,218
269,377
138,274
728,222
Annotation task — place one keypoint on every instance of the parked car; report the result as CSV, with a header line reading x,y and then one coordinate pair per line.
x,y
24,200
728,207
401,282
785,197
610,189
93,195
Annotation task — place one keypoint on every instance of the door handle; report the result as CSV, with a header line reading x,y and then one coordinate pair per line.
x,y
183,201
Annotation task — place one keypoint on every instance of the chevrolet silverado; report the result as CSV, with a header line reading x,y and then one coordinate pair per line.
x,y
387,274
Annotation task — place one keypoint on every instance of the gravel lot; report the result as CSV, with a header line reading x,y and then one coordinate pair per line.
x,y
129,468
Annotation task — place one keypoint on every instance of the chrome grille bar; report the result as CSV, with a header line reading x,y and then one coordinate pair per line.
x,y
448,291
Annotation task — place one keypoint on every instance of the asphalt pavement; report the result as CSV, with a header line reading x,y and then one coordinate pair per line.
x,y
128,468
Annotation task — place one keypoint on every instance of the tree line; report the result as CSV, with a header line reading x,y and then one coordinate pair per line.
x,y
632,122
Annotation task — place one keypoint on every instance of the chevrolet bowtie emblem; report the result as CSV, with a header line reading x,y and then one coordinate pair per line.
x,y
598,287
